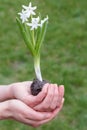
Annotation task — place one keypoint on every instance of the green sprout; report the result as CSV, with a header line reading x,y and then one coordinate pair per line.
x,y
33,30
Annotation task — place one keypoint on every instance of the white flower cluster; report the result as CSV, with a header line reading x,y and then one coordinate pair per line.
x,y
27,12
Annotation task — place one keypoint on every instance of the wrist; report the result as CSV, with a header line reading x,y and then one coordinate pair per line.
x,y
10,91
5,93
5,110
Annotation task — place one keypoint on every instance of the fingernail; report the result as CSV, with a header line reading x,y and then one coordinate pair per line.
x,y
56,85
61,85
63,100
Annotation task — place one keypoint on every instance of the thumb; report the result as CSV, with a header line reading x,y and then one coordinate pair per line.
x,y
32,101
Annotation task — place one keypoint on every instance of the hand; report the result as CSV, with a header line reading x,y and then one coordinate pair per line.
x,y
21,91
19,111
48,99
53,98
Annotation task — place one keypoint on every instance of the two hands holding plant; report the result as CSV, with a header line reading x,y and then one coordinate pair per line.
x,y
17,100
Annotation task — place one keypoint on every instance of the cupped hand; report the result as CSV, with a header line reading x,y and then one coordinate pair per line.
x,y
24,114
53,98
21,91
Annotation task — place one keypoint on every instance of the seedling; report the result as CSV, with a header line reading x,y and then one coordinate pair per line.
x,y
33,30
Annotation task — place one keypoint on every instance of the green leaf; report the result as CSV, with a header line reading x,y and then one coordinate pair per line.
x,y
41,35
29,34
25,36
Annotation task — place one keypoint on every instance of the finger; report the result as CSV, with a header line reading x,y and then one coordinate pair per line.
x,y
35,100
61,94
45,105
61,90
35,115
53,115
57,110
55,98
39,98
35,123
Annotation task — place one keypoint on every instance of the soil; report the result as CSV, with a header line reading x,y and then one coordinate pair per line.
x,y
37,86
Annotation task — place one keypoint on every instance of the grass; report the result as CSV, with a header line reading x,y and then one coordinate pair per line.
x,y
63,57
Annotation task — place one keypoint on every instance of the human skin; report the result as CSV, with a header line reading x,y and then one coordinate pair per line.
x,y
17,102
47,100
17,110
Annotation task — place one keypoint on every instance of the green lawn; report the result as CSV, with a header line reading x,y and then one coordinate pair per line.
x,y
64,57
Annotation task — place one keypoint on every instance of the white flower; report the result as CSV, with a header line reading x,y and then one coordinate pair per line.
x,y
43,21
23,16
34,24
29,9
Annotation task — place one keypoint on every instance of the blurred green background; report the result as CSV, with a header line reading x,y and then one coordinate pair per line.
x,y
63,57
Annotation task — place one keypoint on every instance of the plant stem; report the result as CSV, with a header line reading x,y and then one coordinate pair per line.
x,y
37,67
